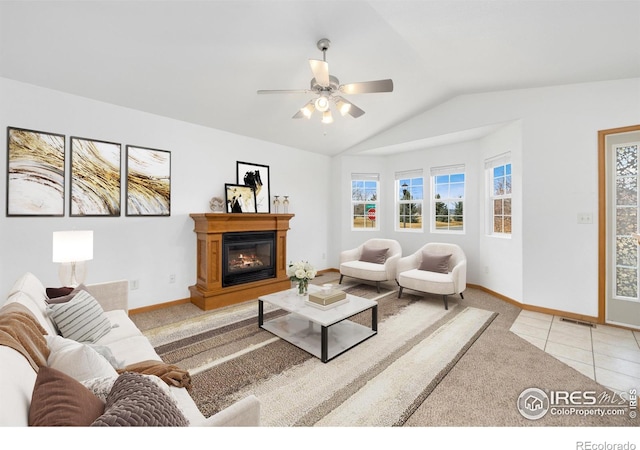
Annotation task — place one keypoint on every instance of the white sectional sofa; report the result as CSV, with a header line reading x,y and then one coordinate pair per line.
x,y
125,343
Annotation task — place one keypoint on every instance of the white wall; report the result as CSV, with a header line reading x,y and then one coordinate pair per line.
x,y
150,249
552,264
557,164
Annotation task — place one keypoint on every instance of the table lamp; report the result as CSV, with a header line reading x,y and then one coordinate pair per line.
x,y
71,249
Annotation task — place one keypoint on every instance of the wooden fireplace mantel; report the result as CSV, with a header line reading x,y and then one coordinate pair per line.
x,y
208,292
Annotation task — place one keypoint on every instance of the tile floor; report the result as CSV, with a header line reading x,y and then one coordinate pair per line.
x,y
608,355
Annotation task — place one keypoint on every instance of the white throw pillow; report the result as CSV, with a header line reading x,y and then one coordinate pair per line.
x,y
81,318
77,360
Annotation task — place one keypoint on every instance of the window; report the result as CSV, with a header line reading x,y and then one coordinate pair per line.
x,y
448,198
409,198
499,169
364,201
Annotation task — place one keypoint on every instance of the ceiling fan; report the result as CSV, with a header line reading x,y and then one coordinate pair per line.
x,y
327,89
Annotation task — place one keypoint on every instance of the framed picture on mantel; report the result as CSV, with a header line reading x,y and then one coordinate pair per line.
x,y
257,177
240,198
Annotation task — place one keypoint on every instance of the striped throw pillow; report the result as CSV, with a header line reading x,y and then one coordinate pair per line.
x,y
81,318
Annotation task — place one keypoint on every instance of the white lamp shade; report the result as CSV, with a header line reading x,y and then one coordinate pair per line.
x,y
72,246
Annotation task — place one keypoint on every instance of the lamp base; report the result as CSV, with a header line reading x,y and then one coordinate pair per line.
x,y
72,274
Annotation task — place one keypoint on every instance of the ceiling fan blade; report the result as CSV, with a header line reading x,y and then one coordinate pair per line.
x,y
320,71
285,91
354,111
367,87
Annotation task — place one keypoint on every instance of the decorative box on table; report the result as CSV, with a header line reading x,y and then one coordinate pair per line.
x,y
327,298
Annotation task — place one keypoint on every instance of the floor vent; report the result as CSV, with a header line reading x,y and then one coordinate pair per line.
x,y
578,322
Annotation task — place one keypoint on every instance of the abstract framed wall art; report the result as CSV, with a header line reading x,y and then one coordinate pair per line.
x,y
35,173
240,198
257,177
95,178
148,182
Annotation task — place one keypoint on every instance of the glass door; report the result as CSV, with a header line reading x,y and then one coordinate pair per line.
x,y
622,291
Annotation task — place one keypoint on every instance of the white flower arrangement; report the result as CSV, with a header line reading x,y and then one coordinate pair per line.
x,y
301,271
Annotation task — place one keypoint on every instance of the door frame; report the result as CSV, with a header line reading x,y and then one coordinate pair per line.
x,y
602,216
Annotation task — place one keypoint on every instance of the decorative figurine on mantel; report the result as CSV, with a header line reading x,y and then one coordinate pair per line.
x,y
216,204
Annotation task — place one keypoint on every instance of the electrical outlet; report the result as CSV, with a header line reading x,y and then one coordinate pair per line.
x,y
172,278
134,284
585,218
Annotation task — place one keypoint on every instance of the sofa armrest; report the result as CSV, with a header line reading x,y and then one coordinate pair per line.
x,y
243,413
111,294
350,255
407,263
459,275
391,266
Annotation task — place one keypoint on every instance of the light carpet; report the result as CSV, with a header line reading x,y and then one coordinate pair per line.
x,y
229,357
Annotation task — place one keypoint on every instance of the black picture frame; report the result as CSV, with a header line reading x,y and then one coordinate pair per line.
x,y
240,198
148,181
95,178
35,173
256,176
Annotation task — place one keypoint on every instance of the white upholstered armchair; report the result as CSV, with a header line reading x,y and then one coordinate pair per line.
x,y
436,268
374,260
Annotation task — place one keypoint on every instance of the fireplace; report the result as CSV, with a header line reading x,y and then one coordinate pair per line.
x,y
239,257
248,257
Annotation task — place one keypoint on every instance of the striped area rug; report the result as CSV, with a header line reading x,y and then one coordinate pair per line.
x,y
378,383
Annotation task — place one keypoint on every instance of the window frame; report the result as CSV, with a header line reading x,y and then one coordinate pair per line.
x,y
409,176
448,171
491,165
365,179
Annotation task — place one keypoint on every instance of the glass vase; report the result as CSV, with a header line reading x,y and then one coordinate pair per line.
x,y
285,204
303,287
276,204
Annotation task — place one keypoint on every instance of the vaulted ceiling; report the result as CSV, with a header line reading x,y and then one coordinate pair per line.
x,y
203,61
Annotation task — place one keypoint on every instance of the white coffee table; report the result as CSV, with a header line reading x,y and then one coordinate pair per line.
x,y
323,333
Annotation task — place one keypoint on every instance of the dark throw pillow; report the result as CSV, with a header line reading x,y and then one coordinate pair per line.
x,y
435,263
63,294
374,255
135,400
54,293
59,400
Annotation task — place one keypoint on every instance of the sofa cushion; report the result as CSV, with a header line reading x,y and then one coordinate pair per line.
x,y
122,327
59,400
17,378
81,318
374,255
38,311
435,263
77,360
134,400
30,285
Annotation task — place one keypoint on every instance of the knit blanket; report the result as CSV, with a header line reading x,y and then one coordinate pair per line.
x,y
23,333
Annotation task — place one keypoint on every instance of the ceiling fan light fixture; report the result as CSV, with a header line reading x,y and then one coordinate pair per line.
x,y
327,117
343,106
307,110
322,103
